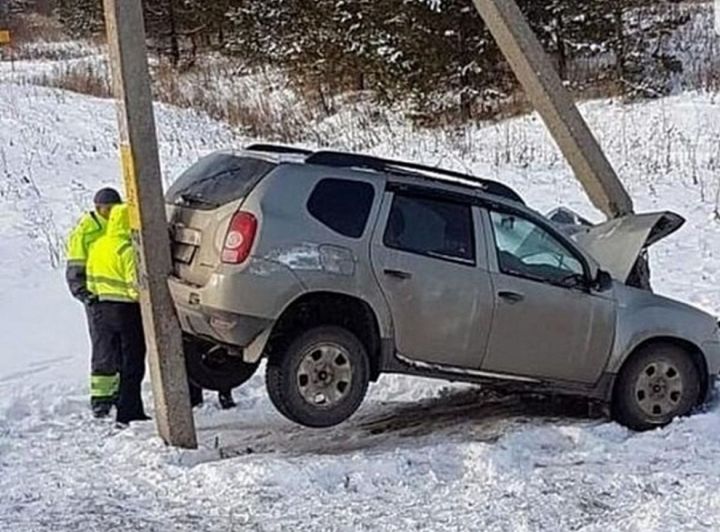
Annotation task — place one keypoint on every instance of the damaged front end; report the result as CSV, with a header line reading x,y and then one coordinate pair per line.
x,y
620,245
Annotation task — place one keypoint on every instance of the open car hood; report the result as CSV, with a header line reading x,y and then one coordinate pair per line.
x,y
618,243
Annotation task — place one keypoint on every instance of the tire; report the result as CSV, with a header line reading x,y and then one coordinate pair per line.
x,y
658,384
321,378
211,367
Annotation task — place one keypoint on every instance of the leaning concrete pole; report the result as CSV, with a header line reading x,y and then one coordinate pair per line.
x,y
548,95
144,193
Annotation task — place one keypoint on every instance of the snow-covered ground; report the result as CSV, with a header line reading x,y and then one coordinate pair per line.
x,y
419,454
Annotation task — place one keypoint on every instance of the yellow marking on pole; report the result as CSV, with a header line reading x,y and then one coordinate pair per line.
x,y
130,179
4,37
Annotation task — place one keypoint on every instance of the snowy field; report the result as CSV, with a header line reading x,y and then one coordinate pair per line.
x,y
419,454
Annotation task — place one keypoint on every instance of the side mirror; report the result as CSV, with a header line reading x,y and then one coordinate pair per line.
x,y
603,281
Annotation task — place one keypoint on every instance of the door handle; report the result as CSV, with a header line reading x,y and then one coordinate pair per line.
x,y
398,274
511,297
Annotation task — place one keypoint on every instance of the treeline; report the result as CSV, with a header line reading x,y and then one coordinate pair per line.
x,y
436,54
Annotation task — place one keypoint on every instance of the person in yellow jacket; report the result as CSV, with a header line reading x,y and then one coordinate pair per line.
x,y
112,279
91,226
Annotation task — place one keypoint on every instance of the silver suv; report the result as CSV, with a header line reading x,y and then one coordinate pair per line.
x,y
338,267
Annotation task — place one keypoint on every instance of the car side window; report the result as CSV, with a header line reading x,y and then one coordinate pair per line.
x,y
342,205
527,250
431,227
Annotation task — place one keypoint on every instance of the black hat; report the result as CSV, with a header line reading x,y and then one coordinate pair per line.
x,y
107,196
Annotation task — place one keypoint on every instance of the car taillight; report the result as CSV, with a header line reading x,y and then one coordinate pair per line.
x,y
239,238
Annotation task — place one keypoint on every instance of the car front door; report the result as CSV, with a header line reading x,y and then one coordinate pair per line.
x,y
547,324
430,258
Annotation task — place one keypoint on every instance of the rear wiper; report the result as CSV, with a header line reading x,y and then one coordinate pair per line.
x,y
189,199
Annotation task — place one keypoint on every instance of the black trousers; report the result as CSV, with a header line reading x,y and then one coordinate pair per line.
x,y
196,394
104,365
119,334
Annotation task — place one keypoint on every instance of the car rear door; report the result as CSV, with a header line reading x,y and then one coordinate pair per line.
x,y
426,257
547,324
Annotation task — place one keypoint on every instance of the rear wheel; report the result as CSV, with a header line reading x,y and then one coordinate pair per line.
x,y
321,378
212,367
660,383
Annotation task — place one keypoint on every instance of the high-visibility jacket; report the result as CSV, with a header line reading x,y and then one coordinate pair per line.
x,y
111,274
90,227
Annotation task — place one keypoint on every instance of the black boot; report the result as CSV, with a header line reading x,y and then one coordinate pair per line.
x,y
140,416
226,400
101,408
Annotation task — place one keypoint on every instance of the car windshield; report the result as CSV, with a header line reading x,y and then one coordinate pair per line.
x,y
216,180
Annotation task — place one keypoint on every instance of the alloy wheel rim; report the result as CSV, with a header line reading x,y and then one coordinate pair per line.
x,y
659,389
324,375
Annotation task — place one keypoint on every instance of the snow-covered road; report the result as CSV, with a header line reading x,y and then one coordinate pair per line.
x,y
419,454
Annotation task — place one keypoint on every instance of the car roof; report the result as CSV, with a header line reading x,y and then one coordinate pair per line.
x,y
423,174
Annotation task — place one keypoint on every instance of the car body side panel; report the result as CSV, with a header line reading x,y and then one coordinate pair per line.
x,y
323,260
644,316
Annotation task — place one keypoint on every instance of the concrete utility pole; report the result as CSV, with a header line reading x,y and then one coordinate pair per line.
x,y
552,100
143,188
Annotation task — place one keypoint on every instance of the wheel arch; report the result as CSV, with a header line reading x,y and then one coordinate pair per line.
x,y
329,308
694,351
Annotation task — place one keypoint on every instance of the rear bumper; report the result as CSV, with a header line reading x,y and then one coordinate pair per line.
x,y
237,303
224,327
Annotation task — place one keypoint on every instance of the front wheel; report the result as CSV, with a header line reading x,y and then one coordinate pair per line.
x,y
660,383
321,378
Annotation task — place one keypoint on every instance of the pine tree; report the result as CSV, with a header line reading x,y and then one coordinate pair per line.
x,y
82,18
435,53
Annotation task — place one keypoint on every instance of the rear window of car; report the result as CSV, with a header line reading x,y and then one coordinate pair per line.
x,y
217,179
342,205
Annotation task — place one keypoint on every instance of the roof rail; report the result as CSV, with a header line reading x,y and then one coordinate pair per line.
x,y
342,159
278,148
